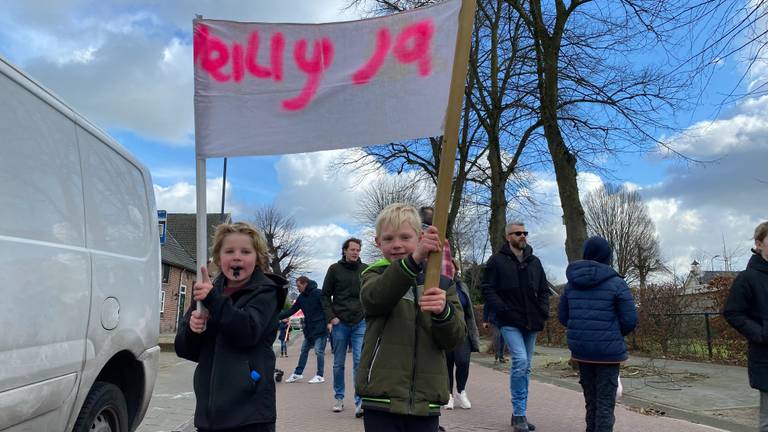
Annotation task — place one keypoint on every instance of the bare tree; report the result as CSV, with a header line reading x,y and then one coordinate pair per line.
x,y
389,190
573,80
287,247
620,216
404,188
599,92
483,122
500,79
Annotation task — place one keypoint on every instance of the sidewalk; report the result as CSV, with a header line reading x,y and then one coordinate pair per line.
x,y
553,408
712,394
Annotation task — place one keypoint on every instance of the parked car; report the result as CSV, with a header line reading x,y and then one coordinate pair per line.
x,y
80,260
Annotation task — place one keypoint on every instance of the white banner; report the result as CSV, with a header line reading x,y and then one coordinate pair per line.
x,y
289,88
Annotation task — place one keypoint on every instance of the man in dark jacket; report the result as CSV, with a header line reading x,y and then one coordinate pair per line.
x,y
515,287
747,311
344,315
598,310
315,334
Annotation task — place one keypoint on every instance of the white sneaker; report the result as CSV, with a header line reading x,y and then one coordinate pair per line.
x,y
449,405
338,406
463,400
316,379
294,378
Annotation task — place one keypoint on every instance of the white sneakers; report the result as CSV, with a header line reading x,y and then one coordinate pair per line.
x,y
294,378
338,406
316,380
463,400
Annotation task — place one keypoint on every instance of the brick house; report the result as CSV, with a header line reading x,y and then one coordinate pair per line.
x,y
179,265
178,276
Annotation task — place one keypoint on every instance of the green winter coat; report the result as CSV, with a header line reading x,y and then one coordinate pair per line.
x,y
402,366
341,292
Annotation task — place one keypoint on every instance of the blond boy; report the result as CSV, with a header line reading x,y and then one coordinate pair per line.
x,y
402,378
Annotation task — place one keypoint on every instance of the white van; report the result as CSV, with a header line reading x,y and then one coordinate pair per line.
x,y
79,270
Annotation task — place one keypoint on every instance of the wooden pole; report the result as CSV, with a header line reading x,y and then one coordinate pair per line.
x,y
451,135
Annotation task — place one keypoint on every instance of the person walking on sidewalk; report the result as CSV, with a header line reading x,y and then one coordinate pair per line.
x,y
598,310
231,341
283,333
516,288
315,335
746,310
344,316
458,359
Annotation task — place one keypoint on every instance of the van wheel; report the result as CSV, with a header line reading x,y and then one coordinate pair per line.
x,y
104,410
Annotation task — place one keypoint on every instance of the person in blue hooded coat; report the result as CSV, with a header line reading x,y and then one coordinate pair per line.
x,y
598,310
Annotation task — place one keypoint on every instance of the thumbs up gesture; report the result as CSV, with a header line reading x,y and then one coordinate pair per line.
x,y
201,289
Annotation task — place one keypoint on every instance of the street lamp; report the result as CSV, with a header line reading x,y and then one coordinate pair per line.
x,y
711,268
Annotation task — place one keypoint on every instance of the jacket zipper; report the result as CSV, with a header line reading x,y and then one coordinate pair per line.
x,y
415,349
375,354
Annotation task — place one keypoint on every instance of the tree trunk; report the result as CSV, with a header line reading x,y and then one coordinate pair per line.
x,y
563,160
573,214
498,197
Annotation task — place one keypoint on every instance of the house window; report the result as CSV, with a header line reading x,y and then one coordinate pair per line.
x,y
166,272
162,301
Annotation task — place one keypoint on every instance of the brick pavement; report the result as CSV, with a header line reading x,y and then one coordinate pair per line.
x,y
303,406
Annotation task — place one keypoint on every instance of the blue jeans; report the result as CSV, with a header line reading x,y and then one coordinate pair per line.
x,y
344,335
521,344
318,344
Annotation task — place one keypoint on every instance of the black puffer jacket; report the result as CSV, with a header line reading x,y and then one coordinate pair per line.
x,y
518,303
309,302
747,311
238,340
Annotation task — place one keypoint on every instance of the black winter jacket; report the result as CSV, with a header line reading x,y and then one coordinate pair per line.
x,y
515,306
238,340
309,303
747,311
341,292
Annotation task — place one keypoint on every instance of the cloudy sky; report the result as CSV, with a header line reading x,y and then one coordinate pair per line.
x,y
126,65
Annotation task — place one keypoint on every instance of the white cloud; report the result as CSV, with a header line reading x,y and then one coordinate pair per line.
x,y
181,197
127,66
319,191
702,208
743,130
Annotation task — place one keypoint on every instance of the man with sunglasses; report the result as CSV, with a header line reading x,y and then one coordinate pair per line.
x,y
515,287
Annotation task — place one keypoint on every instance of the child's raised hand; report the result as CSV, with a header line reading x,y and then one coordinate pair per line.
x,y
201,289
197,321
429,241
432,300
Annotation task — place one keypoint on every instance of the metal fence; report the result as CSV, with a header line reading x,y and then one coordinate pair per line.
x,y
699,336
